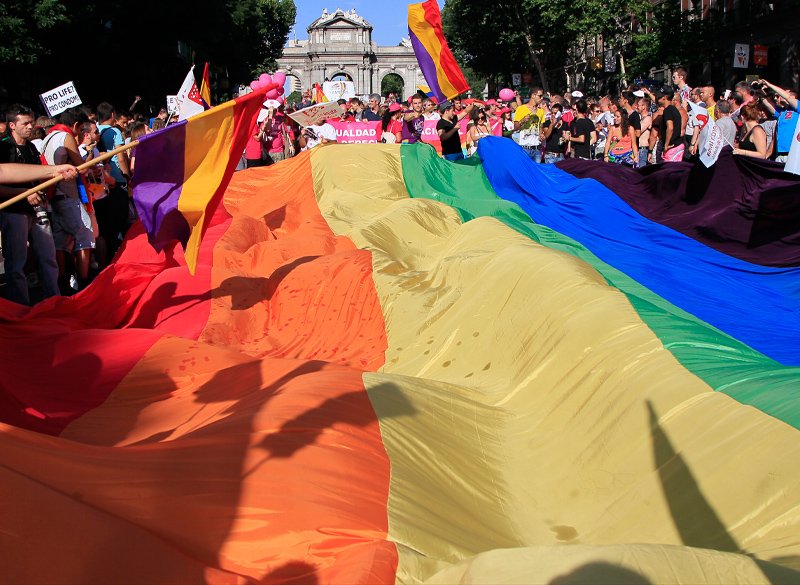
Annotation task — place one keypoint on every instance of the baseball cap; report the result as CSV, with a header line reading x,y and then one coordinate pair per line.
x,y
662,93
491,102
445,105
638,93
395,107
577,94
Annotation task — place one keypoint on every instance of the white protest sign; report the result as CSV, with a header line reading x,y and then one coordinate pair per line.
x,y
741,56
711,143
61,98
172,104
339,90
316,114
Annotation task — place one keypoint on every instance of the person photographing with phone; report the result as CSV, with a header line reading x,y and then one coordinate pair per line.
x,y
783,105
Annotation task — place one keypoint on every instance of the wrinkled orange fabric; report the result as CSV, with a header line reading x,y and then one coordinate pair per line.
x,y
242,445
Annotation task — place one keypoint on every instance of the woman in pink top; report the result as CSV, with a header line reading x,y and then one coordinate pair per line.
x,y
252,151
275,134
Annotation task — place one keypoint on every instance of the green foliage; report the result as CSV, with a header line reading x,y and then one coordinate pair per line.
x,y
247,35
392,84
133,46
294,98
673,37
497,38
24,26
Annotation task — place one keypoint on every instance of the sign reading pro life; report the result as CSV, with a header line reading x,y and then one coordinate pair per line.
x,y
61,98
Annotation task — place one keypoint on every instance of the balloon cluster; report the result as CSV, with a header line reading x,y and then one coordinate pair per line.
x,y
265,79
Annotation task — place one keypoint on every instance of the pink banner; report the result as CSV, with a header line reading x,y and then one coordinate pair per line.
x,y
356,132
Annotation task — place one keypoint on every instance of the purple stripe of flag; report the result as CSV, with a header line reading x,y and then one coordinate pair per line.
x,y
427,65
157,183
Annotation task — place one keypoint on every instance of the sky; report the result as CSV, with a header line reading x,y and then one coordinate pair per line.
x,y
389,18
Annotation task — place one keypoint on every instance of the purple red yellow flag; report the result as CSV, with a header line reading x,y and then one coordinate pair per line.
x,y
205,87
182,171
433,55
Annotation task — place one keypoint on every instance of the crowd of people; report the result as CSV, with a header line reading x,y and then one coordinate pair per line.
x,y
640,126
63,238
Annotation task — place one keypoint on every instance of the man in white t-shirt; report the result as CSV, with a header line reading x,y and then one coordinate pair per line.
x,y
314,135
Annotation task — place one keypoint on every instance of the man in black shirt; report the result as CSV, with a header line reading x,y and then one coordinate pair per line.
x,y
582,133
447,128
27,220
670,130
553,134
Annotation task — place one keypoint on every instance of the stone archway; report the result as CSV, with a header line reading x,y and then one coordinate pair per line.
x,y
341,76
393,82
294,83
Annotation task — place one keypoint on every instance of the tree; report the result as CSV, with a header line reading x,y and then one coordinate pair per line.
x,y
247,35
112,55
613,21
24,27
674,36
500,37
393,83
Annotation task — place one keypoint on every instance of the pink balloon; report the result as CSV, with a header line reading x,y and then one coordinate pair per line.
x,y
281,90
255,85
506,94
272,94
281,100
279,77
265,79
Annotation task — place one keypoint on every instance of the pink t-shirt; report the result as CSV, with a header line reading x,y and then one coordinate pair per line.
x,y
274,140
252,151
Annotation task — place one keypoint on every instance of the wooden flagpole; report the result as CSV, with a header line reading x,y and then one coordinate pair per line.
x,y
50,182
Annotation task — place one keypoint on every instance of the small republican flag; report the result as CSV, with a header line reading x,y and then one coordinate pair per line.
x,y
189,101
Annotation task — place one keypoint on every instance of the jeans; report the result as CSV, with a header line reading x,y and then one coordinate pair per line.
x,y
642,157
535,152
552,157
453,157
17,229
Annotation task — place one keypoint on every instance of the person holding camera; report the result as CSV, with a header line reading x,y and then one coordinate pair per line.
x,y
315,135
27,220
785,110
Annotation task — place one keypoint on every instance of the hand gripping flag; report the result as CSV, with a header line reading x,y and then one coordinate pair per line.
x,y
182,171
433,55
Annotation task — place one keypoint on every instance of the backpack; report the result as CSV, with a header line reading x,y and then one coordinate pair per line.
x,y
101,145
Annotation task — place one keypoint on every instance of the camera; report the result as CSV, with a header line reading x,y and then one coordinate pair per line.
x,y
41,215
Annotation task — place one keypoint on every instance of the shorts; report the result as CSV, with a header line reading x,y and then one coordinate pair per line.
x,y
674,154
274,157
70,225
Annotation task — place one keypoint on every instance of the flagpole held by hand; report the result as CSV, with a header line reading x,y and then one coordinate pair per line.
x,y
87,165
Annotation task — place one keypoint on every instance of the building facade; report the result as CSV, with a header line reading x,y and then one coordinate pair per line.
x,y
340,48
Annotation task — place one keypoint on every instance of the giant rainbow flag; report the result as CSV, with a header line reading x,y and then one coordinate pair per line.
x,y
394,369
